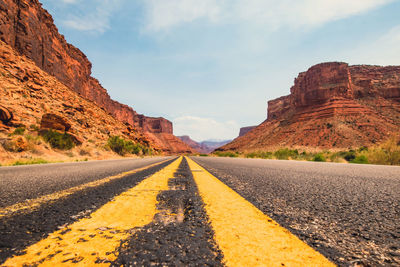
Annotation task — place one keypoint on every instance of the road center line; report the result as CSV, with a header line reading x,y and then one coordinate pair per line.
x,y
30,204
245,235
94,240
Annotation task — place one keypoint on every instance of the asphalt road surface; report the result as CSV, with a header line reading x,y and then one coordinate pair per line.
x,y
172,211
26,182
348,212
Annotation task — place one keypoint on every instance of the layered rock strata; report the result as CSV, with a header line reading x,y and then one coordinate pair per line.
x,y
332,105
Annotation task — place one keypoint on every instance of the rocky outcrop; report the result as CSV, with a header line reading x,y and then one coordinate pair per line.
x,y
332,105
245,130
31,31
169,143
155,125
38,101
54,122
5,115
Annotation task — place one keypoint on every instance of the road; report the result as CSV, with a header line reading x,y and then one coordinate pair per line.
x,y
349,212
198,211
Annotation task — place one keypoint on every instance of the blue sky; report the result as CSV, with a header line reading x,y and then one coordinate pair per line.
x,y
210,66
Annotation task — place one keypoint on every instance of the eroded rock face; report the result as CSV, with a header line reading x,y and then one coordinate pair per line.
x,y
245,130
5,115
332,105
30,30
155,125
54,122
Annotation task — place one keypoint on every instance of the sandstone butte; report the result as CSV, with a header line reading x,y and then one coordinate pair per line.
x,y
30,30
330,106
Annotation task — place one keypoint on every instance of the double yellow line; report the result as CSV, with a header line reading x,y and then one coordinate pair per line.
x,y
245,235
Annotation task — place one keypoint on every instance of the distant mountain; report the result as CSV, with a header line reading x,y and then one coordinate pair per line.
x,y
207,146
214,144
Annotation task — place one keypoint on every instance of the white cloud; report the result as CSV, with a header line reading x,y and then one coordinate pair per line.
x,y
69,1
201,129
271,14
95,18
164,14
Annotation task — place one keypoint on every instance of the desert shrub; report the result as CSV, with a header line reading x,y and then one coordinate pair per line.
x,y
362,149
58,140
30,162
34,127
286,153
203,155
261,155
360,159
123,147
118,145
388,153
349,155
226,154
33,139
84,152
319,157
19,131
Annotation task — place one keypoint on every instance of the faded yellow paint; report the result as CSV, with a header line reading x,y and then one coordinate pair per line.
x,y
95,239
245,235
31,204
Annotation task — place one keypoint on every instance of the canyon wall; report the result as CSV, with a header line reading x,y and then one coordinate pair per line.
x,y
31,31
331,105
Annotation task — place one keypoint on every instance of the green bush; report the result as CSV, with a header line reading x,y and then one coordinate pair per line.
x,y
226,154
123,147
203,155
388,153
361,159
19,131
58,140
349,156
30,162
261,155
319,158
286,153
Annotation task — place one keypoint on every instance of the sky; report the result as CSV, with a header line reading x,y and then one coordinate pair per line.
x,y
210,66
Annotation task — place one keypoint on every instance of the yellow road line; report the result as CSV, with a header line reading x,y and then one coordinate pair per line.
x,y
95,239
37,202
245,235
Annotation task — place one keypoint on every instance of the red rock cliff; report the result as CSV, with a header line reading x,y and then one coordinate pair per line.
x,y
30,30
331,105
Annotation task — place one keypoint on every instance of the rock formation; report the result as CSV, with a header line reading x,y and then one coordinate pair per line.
x,y
245,130
54,122
332,105
30,30
5,115
39,101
